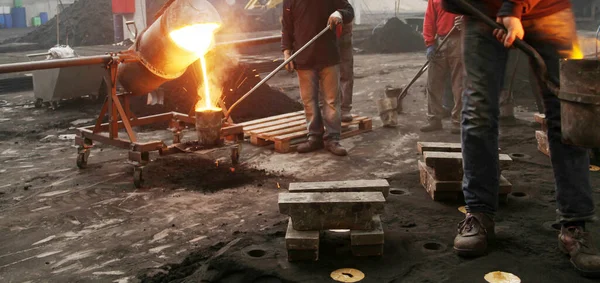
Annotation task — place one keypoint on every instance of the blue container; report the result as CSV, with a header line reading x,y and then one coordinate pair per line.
x,y
44,17
2,25
8,21
19,19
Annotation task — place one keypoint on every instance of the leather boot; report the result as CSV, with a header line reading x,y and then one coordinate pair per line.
x,y
434,125
336,148
346,116
579,245
474,233
309,146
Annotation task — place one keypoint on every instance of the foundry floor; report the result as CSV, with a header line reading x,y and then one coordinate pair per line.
x,y
61,224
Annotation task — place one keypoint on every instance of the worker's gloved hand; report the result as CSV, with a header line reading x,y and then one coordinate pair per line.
x,y
458,22
430,52
334,20
514,29
290,66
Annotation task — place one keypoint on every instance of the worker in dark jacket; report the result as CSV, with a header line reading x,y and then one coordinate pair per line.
x,y
548,26
318,65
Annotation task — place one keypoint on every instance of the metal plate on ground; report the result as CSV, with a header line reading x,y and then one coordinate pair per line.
x,y
501,277
347,275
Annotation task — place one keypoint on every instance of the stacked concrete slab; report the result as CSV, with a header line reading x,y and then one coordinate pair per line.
x,y
441,171
317,206
542,135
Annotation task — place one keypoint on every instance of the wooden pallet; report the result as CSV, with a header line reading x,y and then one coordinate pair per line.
x,y
286,131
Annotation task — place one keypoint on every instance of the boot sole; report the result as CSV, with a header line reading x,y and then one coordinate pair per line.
x,y
584,273
469,253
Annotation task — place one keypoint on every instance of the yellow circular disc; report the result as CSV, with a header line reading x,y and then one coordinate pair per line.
x,y
501,277
347,275
463,209
594,168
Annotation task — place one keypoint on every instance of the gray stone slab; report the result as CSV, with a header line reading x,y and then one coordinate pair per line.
x,y
320,211
377,185
438,146
301,240
367,250
368,237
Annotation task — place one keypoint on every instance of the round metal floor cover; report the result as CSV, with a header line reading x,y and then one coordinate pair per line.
x,y
347,275
501,277
463,209
594,168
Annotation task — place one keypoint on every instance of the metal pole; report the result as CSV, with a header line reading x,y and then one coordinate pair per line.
x,y
276,70
250,42
58,63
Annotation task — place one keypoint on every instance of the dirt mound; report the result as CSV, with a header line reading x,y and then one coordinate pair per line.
x,y
200,174
392,37
85,22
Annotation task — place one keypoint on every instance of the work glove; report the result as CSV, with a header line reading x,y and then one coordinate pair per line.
x,y
290,67
458,22
514,30
430,52
335,19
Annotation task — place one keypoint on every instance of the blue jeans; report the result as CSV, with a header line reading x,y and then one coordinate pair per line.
x,y
329,116
485,62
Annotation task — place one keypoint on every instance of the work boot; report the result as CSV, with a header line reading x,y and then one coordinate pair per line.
x,y
455,130
434,125
310,145
579,244
474,233
336,148
346,116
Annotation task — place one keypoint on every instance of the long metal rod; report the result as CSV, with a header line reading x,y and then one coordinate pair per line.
x,y
250,42
58,63
269,76
425,66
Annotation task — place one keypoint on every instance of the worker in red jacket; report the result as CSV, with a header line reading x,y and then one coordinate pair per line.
x,y
318,66
445,62
549,27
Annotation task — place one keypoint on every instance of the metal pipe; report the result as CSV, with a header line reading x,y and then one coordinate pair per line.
x,y
38,54
250,42
269,76
52,64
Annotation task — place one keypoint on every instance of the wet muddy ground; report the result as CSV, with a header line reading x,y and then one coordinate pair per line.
x,y
198,221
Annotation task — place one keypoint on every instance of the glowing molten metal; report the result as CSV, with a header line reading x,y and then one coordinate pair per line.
x,y
198,38
576,53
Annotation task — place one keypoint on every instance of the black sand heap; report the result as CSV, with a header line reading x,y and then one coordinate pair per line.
x,y
85,22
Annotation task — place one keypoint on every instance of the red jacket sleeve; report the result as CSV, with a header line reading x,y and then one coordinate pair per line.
x,y
429,24
516,8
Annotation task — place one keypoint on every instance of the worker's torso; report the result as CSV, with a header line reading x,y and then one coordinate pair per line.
x,y
542,9
310,17
444,21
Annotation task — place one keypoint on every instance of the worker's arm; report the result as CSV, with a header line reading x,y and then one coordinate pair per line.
x,y
287,26
516,8
429,25
345,9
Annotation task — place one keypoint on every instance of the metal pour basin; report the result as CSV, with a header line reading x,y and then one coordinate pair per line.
x,y
67,83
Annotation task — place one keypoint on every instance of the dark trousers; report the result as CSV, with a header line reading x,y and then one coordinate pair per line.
x,y
485,63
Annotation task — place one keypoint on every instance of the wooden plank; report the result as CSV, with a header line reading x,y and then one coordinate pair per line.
x,y
438,146
268,135
272,118
290,136
541,119
274,123
276,127
257,141
377,185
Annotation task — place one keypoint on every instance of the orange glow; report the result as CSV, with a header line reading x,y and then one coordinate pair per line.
x,y
576,54
199,39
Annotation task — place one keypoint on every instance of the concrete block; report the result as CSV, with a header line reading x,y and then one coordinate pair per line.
x,y
542,141
367,250
303,255
447,166
541,119
321,211
368,237
443,190
301,240
378,185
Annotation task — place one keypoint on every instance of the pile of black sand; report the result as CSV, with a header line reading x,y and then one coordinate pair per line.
x,y
85,22
394,36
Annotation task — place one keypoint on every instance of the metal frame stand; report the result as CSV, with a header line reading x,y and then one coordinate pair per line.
x,y
117,107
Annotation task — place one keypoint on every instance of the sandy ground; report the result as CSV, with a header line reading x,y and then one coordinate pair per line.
x,y
61,224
